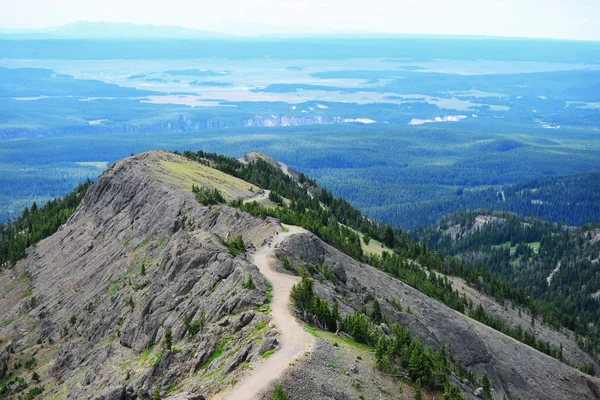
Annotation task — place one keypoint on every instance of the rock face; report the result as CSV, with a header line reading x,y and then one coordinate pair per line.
x,y
138,257
515,370
253,156
181,123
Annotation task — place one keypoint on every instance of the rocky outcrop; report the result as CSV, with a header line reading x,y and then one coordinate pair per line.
x,y
516,370
138,257
286,169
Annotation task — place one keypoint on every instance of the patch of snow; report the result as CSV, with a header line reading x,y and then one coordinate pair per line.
x,y
546,125
543,97
293,107
29,98
97,121
99,98
360,120
447,118
322,106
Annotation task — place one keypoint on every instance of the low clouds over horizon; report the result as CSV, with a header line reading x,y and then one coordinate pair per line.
x,y
575,19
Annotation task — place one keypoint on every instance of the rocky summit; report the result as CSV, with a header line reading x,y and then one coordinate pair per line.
x,y
153,290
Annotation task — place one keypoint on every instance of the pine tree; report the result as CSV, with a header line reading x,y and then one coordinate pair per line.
x,y
168,339
376,315
381,356
367,239
388,239
417,390
487,387
560,354
414,362
451,392
335,312
248,283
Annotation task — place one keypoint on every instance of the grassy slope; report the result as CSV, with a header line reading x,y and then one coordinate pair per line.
x,y
186,173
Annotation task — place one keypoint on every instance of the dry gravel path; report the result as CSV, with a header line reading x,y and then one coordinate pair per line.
x,y
293,339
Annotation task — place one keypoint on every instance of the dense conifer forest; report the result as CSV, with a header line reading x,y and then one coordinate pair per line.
x,y
571,199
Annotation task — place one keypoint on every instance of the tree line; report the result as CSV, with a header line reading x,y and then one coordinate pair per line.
x,y
35,224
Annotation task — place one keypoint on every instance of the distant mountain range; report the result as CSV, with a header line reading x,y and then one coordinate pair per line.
x,y
110,30
115,30
221,30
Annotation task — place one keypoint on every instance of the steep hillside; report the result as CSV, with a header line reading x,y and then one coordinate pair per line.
x,y
550,262
147,292
139,255
516,370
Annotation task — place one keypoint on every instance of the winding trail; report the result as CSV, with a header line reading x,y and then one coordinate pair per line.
x,y
262,195
293,339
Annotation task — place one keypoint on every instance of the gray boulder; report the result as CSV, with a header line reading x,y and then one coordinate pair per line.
x,y
479,392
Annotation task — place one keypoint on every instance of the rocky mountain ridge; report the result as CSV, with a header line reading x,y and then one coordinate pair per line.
x,y
142,260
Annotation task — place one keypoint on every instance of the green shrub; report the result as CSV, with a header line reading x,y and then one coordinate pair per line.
x,y
34,392
279,393
248,283
156,394
235,246
207,196
30,363
193,327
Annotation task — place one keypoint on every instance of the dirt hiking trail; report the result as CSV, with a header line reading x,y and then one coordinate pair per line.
x,y
294,341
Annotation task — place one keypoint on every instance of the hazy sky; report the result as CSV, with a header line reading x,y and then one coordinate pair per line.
x,y
567,19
